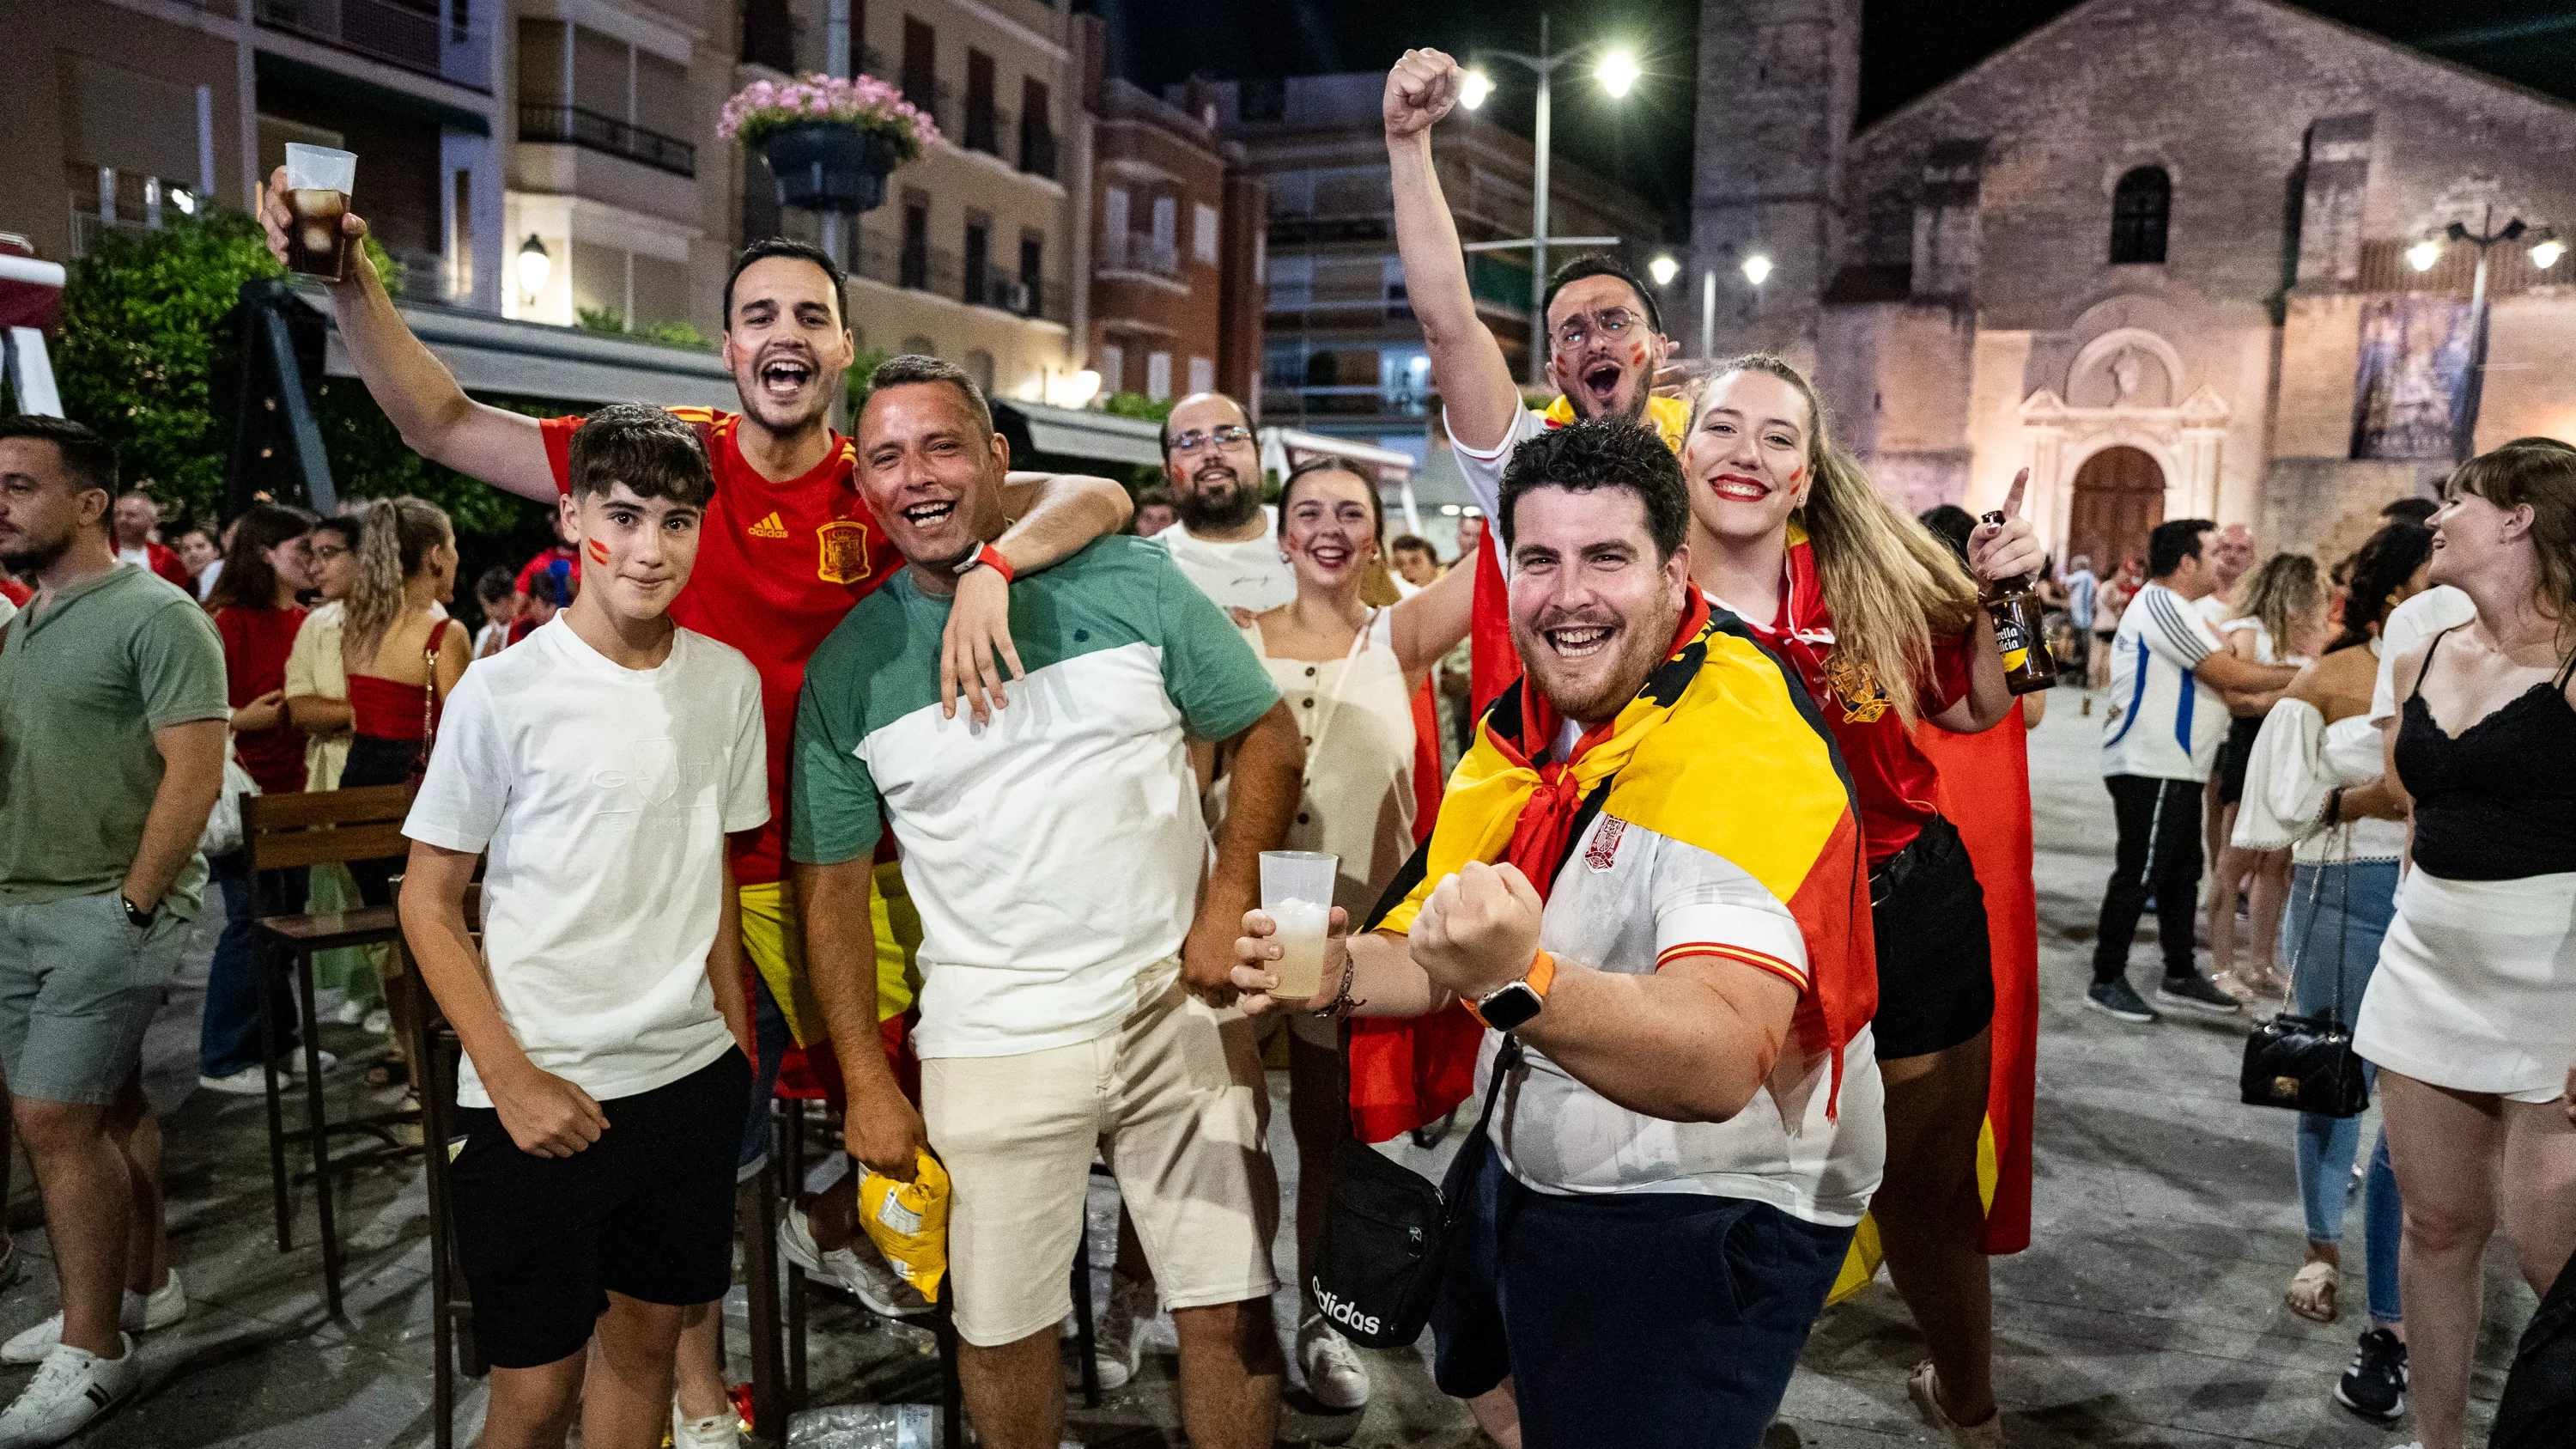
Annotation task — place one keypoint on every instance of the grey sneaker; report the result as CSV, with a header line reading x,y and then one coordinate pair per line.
x,y
2194,994
1118,1334
2115,998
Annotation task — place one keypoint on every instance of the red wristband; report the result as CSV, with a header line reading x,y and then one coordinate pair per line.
x,y
991,558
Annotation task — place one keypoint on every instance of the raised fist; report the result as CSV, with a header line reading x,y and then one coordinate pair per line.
x,y
1419,91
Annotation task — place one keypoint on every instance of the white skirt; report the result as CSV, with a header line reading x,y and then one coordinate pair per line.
x,y
2476,986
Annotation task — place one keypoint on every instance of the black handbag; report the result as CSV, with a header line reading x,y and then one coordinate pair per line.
x,y
1388,1230
2306,1063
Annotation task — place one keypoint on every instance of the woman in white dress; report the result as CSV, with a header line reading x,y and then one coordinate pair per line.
x,y
2281,619
2471,1015
1349,672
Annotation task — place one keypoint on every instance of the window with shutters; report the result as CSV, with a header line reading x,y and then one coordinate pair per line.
x,y
1158,375
1203,233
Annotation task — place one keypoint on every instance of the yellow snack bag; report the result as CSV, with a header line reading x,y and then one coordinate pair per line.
x,y
908,1221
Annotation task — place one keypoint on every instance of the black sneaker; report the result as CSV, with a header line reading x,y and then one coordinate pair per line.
x,y
2375,1386
2194,993
2115,997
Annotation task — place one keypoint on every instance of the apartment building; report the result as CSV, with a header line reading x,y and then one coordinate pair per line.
x,y
972,256
1343,356
1177,242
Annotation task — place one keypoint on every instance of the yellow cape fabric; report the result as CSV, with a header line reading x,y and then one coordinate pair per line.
x,y
1682,772
774,938
1670,415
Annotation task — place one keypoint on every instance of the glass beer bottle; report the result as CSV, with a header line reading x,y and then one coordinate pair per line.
x,y
2015,609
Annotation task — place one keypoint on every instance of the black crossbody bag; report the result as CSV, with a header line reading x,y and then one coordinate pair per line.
x,y
2306,1063
1388,1232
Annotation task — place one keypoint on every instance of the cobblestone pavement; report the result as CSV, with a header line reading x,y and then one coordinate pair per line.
x,y
2147,1311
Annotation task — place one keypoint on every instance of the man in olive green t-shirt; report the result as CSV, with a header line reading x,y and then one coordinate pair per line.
x,y
112,720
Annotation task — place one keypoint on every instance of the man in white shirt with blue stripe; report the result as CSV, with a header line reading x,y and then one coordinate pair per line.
x,y
2169,685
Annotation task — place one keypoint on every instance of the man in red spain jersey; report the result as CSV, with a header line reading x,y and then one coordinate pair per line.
x,y
787,546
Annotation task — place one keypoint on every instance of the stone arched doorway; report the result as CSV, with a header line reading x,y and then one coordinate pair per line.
x,y
2118,498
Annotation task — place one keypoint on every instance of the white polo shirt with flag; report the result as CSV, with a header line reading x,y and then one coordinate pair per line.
x,y
2164,724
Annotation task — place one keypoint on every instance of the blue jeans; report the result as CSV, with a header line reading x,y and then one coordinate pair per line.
x,y
1676,1317
769,1033
2353,906
228,1038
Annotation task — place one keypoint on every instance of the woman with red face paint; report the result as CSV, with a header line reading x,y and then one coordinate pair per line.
x,y
1879,619
402,652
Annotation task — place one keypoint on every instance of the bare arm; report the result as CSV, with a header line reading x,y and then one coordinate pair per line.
x,y
1265,763
320,715
437,420
1691,1043
192,776
725,964
1996,551
841,957
544,1114
1430,624
1475,381
1057,513
2236,677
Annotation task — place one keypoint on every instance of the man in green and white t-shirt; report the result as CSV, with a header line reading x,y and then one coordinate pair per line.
x,y
1076,971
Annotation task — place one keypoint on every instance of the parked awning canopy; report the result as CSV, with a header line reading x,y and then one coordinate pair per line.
x,y
530,359
1073,433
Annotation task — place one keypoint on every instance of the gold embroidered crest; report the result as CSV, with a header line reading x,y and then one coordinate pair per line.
x,y
844,552
1855,683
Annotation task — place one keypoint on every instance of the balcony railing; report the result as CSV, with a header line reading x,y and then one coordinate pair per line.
x,y
1135,251
434,39
573,126
985,127
1037,147
934,269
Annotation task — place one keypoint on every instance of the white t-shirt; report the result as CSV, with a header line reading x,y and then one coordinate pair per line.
x,y
139,557
1248,574
2164,723
604,795
1624,897
2409,624
1483,467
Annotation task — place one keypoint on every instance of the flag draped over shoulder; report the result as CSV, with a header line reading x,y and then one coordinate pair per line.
x,y
1719,750
1985,791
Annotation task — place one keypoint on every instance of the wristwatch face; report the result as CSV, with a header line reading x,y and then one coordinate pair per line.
x,y
1509,1007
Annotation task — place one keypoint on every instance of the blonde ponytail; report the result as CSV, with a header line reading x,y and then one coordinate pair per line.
x,y
1890,585
394,542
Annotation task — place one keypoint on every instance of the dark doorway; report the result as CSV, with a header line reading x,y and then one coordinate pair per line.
x,y
2119,497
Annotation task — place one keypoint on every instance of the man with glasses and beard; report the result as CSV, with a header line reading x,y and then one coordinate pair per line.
x,y
1226,542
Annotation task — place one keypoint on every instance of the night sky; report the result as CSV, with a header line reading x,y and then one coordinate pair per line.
x,y
1907,47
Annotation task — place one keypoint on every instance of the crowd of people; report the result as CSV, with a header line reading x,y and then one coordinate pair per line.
x,y
946,786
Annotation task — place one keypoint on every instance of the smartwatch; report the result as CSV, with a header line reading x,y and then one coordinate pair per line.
x,y
985,557
135,915
1515,1003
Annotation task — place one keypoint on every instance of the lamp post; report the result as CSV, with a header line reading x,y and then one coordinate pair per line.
x,y
2464,434
1617,72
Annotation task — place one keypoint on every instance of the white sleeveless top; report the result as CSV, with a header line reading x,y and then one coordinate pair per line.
x,y
1357,721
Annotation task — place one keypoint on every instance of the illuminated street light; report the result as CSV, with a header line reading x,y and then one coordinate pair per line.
x,y
2546,252
1757,269
1662,269
187,204
1617,72
2424,254
1473,88
534,266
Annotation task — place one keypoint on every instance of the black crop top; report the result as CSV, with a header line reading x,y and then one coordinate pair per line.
x,y
2499,801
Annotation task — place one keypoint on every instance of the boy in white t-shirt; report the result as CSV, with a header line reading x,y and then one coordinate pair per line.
x,y
601,765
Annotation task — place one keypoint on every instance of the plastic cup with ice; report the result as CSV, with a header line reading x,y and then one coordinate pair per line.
x,y
1297,895
318,182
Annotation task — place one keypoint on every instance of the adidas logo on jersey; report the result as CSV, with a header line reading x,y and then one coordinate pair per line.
x,y
769,527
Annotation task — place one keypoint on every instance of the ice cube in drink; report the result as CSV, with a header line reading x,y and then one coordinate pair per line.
x,y
1302,927
315,245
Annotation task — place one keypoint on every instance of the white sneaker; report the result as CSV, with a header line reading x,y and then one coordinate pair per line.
x,y
140,1313
251,1081
862,1274
715,1431
74,1387
1334,1374
1925,1390
1118,1334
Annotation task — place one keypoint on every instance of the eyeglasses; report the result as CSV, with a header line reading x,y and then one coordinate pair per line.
x,y
1613,323
1226,437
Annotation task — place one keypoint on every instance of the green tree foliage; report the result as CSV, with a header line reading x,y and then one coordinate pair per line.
x,y
147,359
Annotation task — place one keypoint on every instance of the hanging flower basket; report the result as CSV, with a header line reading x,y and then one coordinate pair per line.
x,y
830,142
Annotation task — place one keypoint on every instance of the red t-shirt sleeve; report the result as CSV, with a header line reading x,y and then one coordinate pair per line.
x,y
165,562
558,435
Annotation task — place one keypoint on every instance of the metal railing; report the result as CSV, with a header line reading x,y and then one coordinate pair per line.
x,y
986,125
434,39
1037,147
1135,251
887,261
574,126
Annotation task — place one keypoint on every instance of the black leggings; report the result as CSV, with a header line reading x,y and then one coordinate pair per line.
x,y
375,760
2159,855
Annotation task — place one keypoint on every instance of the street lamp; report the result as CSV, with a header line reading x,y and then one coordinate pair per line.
x,y
1617,71
1663,269
1757,269
2545,252
2464,435
2424,254
534,267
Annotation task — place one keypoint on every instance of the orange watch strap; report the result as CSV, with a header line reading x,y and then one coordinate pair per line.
x,y
1540,976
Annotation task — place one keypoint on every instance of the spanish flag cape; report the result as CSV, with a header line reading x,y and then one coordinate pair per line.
x,y
1719,751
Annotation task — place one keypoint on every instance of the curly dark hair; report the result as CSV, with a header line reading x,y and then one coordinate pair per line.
x,y
1603,453
2379,569
647,449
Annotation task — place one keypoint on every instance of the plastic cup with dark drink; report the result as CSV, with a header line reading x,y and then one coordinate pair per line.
x,y
317,197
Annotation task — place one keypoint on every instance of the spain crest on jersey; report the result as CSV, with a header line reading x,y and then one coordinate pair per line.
x,y
844,551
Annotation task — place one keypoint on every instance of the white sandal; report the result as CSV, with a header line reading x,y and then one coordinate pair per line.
x,y
2323,1283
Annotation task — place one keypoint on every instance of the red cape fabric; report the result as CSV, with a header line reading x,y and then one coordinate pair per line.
x,y
1985,791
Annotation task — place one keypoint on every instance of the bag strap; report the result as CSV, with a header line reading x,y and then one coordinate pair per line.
x,y
1458,1183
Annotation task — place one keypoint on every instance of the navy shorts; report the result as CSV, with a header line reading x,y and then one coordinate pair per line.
x,y
1676,1316
646,1211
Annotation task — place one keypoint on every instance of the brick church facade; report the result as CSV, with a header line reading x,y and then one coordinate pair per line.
x,y
2157,253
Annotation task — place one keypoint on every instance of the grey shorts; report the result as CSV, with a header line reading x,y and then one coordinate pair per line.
x,y
78,986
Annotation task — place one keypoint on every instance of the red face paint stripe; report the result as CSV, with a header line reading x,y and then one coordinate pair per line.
x,y
599,550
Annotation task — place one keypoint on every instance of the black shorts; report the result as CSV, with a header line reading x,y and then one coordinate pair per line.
x,y
646,1211
2234,754
1936,977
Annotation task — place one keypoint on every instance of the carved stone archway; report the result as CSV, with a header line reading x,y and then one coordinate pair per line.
x,y
2057,438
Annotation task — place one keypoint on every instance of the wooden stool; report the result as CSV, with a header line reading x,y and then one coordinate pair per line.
x,y
434,1051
